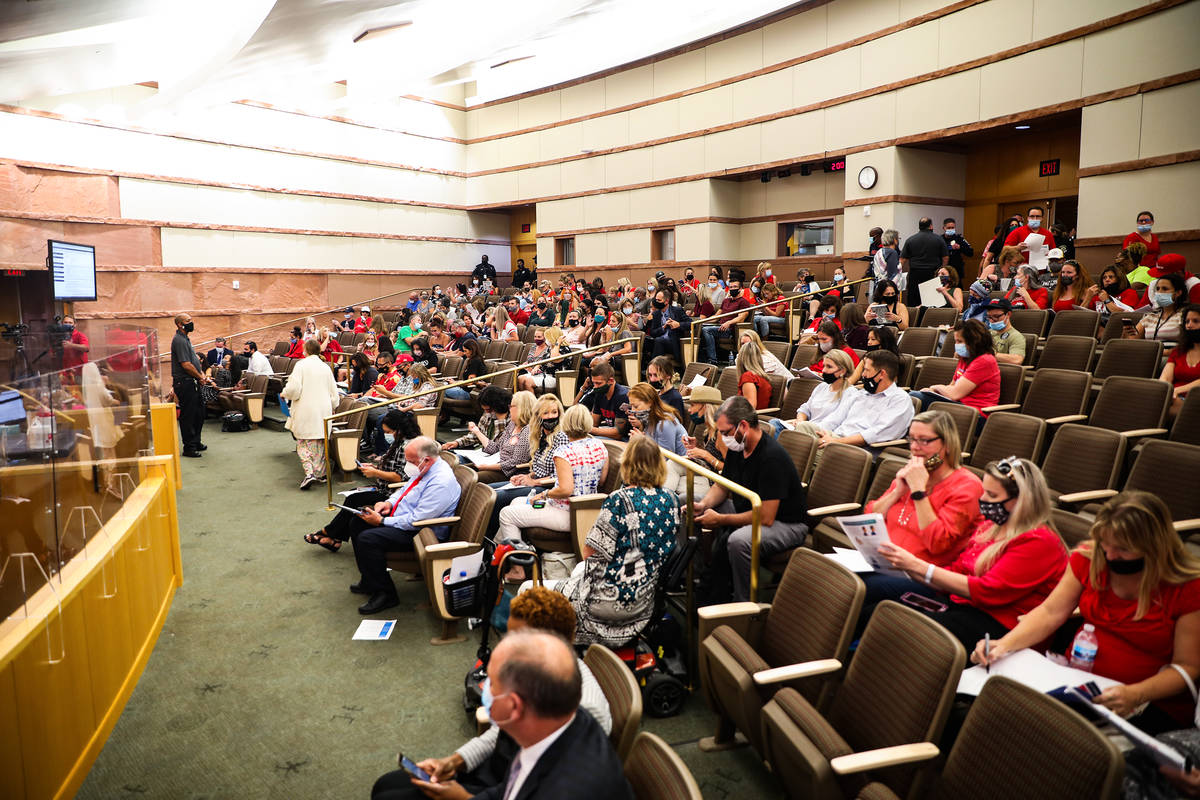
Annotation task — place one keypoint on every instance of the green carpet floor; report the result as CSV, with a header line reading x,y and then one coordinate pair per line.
x,y
255,689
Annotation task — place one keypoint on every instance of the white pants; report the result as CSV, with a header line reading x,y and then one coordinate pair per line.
x,y
519,514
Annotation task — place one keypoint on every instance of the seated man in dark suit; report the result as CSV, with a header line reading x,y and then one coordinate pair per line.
x,y
213,357
534,698
665,327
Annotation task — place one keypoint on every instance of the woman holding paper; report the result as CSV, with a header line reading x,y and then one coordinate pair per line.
x,y
1011,563
933,504
511,446
1140,589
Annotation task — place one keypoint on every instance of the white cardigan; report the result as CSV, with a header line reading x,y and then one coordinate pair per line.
x,y
312,394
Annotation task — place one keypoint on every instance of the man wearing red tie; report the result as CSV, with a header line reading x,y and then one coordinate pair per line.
x,y
431,493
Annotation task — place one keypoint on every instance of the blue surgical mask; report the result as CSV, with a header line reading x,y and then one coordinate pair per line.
x,y
390,438
754,289
949,231
1163,299
1034,224
1143,228
961,350
998,326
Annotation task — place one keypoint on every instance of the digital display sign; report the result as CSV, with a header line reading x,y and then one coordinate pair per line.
x,y
837,165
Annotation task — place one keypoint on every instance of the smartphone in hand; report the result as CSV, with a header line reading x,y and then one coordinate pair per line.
x,y
408,766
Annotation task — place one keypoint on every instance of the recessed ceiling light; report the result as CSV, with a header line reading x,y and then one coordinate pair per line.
x,y
1021,127
371,33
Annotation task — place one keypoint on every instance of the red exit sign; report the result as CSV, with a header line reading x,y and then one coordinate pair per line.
x,y
1050,167
14,273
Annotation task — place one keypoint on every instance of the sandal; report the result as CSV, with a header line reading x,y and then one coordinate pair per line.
x,y
332,545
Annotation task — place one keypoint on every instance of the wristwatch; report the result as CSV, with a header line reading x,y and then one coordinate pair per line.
x,y
918,496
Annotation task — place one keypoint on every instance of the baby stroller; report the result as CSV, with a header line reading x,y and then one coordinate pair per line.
x,y
508,564
656,655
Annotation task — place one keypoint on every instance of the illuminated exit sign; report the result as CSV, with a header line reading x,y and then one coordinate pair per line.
x,y
1050,167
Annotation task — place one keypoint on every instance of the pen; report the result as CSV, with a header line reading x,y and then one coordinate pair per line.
x,y
987,648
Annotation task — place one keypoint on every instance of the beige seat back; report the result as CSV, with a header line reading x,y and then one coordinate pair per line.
x,y
622,692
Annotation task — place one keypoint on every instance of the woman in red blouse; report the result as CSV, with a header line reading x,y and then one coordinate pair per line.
x,y
753,383
1011,563
1183,363
1074,290
1140,588
976,380
1026,290
1115,293
1145,221
829,337
932,506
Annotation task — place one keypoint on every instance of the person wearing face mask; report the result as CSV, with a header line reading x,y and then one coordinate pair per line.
x,y
545,437
893,313
1165,322
665,327
521,275
770,362
510,445
704,445
880,412
753,383
432,492
408,334
608,328
186,378
996,245
370,346
1026,290
660,373
1115,294
932,505
1033,226
346,323
607,401
1054,264
543,315
976,381
1011,563
828,309
361,375
734,303
1182,370
575,333
1075,288
398,428
956,244
829,339
388,386
1173,263
484,271
295,344
363,323
1008,344
756,461
773,314
649,416
256,362
950,288
483,762
689,284
541,378
1138,587
1143,235
826,408
312,395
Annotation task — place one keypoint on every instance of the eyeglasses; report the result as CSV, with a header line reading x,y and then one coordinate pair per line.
x,y
921,440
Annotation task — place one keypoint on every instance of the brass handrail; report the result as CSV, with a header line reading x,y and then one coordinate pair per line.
x,y
326,421
791,311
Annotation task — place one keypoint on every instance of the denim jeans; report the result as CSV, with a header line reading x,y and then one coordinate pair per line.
x,y
927,398
709,334
457,393
762,325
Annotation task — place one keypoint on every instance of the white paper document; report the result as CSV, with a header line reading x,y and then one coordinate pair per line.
x,y
375,629
930,296
1037,251
1160,752
866,533
1032,669
699,380
850,559
807,372
479,458
464,568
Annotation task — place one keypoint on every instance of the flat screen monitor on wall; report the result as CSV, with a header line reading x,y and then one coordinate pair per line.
x,y
72,270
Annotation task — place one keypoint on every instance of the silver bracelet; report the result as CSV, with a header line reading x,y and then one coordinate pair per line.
x,y
929,574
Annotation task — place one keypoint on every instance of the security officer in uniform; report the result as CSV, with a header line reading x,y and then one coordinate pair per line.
x,y
186,378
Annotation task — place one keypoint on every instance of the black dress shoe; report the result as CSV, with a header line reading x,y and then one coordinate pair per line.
x,y
200,448
190,454
358,588
378,602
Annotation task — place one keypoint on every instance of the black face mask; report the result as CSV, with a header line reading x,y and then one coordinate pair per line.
x,y
660,305
571,323
656,384
541,306
1127,566
188,327
871,385
697,418
549,423
995,512
829,377
945,280
889,300
1191,335
871,348
1066,280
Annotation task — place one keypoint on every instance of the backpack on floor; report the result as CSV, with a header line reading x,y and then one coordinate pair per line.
x,y
234,422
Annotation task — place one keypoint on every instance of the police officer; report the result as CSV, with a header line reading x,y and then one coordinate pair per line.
x,y
186,378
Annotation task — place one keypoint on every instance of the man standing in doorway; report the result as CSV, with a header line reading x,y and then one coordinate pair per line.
x,y
922,255
186,378
1033,225
957,244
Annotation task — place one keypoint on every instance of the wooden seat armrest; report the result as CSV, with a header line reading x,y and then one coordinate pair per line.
x,y
773,410
1083,497
395,485
1138,433
444,549
836,508
724,611
744,618
883,757
791,672
889,443
429,523
525,466
1184,525
1002,407
1066,418
587,500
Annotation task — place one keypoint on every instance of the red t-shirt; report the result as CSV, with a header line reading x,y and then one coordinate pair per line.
x,y
331,350
1129,297
75,358
763,398
816,323
955,501
520,316
819,364
1184,374
1153,248
296,350
1131,650
1022,233
1020,577
984,372
389,380
1039,295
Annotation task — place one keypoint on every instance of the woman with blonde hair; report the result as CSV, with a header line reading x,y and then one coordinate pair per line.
x,y
310,329
503,329
771,364
612,588
829,402
605,333
705,445
1139,589
776,313
753,383
546,344
1010,565
511,445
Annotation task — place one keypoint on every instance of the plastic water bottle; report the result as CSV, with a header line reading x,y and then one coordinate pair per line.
x,y
1083,649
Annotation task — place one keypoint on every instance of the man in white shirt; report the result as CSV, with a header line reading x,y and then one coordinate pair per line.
x,y
881,411
259,364
535,691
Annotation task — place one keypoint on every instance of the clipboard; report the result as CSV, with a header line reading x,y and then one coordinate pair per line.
x,y
355,511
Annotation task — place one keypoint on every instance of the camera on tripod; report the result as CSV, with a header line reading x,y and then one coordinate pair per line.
x,y
14,333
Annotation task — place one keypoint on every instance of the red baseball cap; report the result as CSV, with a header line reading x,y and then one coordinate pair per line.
x,y
1167,263
403,358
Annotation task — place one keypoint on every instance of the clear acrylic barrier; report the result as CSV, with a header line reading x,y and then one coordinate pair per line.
x,y
69,443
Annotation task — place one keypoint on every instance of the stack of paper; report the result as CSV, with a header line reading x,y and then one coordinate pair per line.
x,y
480,459
1032,669
375,629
